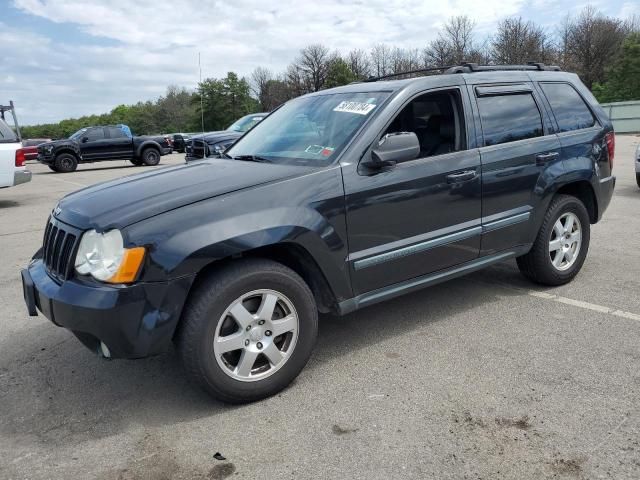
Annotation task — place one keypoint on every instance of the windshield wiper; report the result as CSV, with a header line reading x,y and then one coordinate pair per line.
x,y
251,158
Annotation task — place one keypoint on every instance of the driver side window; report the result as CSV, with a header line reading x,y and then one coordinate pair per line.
x,y
94,134
436,119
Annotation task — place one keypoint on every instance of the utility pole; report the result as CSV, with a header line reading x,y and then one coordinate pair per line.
x,y
201,95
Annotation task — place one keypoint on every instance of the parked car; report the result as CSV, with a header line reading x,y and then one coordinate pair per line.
x,y
212,144
108,142
34,142
638,165
179,141
12,152
338,200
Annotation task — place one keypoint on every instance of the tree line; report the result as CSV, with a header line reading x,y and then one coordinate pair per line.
x,y
604,51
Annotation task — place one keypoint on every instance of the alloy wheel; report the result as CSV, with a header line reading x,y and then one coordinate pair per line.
x,y
566,240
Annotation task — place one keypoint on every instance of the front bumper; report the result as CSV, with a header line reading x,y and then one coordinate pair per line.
x,y
21,176
166,150
133,321
46,159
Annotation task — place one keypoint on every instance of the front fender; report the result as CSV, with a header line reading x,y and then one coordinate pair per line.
x,y
184,241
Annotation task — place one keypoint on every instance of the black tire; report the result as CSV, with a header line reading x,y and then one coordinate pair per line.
x,y
204,309
150,156
136,161
638,179
65,163
53,168
537,264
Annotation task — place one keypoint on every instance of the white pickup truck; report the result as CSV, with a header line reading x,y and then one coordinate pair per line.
x,y
12,153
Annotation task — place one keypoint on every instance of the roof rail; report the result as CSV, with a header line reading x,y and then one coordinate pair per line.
x,y
468,68
474,67
409,72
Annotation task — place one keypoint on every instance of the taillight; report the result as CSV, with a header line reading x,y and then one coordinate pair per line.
x,y
20,157
610,138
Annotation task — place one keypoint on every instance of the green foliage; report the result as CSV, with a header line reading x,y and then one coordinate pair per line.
x,y
339,73
623,80
224,101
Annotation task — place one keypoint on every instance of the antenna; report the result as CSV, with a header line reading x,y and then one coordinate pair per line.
x,y
201,95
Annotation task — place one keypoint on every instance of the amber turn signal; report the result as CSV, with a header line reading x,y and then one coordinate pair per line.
x,y
130,266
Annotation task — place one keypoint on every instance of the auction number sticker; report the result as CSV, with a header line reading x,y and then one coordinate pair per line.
x,y
355,107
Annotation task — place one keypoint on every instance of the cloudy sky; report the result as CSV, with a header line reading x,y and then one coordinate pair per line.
x,y
66,58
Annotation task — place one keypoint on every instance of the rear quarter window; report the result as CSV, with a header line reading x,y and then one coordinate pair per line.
x,y
508,118
570,110
7,135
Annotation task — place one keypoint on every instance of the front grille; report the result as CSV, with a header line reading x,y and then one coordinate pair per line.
x,y
59,248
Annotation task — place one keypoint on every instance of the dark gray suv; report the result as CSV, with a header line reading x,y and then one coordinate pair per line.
x,y
336,201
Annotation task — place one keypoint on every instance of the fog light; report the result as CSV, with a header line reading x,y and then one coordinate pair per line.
x,y
104,350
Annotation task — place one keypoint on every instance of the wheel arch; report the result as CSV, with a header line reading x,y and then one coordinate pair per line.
x,y
583,191
147,144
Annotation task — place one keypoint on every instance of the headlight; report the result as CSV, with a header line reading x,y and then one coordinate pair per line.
x,y
103,256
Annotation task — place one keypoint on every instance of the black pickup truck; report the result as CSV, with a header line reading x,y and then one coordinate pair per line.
x,y
336,201
95,144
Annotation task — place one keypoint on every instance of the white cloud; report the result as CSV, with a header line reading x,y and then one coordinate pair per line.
x,y
153,44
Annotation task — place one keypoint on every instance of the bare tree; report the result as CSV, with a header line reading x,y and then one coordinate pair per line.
x,y
260,78
591,44
517,42
313,64
380,60
458,32
359,63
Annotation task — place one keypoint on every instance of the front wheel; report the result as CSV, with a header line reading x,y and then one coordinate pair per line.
x,y
150,157
65,163
562,243
248,330
136,161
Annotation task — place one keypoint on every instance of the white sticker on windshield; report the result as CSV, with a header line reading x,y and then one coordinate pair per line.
x,y
354,107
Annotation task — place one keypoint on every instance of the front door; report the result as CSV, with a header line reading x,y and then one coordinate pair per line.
x,y
422,215
94,144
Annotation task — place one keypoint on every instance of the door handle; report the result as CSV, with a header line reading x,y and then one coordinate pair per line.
x,y
461,176
543,158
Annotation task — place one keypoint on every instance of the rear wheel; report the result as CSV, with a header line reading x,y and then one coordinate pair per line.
x,y
150,157
65,163
248,330
562,243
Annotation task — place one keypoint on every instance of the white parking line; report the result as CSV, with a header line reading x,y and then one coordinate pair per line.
x,y
570,301
51,177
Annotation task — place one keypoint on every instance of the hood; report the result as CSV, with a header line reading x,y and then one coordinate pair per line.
x,y
61,141
118,203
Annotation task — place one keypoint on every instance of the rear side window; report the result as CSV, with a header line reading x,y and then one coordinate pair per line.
x,y
116,132
507,118
568,107
7,135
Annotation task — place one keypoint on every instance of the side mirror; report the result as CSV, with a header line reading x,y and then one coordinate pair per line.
x,y
394,148
85,139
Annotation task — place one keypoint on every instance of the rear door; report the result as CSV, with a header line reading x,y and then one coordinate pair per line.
x,y
120,145
517,145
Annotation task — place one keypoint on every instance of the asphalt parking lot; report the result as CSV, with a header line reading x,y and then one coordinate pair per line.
x,y
483,377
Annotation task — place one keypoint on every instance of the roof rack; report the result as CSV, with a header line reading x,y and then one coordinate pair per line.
x,y
409,72
11,108
474,67
470,68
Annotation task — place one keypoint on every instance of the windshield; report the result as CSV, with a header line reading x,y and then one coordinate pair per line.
x,y
7,135
246,123
78,134
309,130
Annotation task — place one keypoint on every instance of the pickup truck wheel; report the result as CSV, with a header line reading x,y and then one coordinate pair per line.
x,y
248,330
53,168
562,243
136,161
65,163
638,179
150,157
